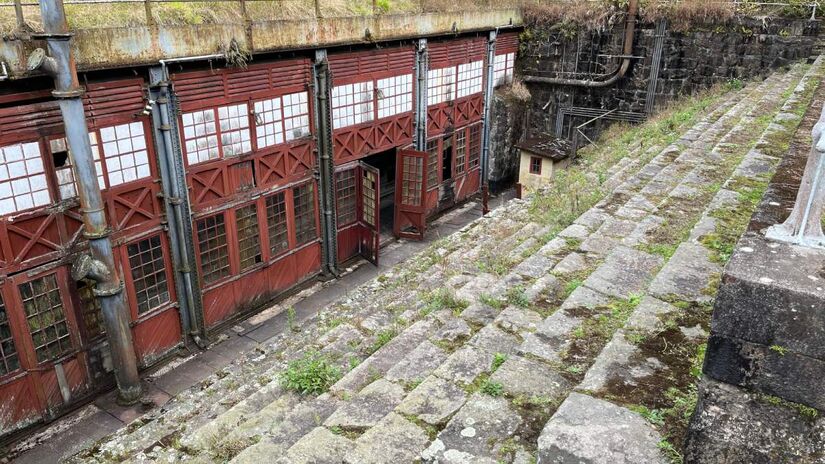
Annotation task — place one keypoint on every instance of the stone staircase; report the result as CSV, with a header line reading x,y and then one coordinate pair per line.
x,y
507,342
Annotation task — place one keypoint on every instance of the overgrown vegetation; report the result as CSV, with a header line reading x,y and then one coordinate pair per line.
x,y
311,374
443,298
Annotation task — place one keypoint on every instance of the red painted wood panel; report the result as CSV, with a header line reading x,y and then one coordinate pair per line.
x,y
507,42
360,66
19,405
157,334
353,143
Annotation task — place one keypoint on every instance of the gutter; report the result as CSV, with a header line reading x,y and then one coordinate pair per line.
x,y
629,35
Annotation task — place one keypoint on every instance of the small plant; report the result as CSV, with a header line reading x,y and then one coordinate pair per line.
x,y
494,303
492,388
444,299
498,360
671,453
654,416
384,337
516,296
291,319
779,349
572,286
311,374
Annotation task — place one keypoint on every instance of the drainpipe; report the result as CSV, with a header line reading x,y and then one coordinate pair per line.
x,y
100,266
175,198
629,35
421,63
326,192
486,120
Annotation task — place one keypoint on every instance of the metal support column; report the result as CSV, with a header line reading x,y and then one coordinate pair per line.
x,y
420,120
485,138
176,199
322,90
101,266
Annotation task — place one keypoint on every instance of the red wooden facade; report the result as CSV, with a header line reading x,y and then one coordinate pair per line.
x,y
50,326
246,140
246,137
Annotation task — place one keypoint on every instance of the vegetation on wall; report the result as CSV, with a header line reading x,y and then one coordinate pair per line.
x,y
682,15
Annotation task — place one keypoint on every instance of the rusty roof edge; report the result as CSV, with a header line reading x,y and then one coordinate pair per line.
x,y
111,48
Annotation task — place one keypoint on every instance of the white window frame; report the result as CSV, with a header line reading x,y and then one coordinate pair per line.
x,y
469,79
23,184
394,95
441,85
353,104
503,69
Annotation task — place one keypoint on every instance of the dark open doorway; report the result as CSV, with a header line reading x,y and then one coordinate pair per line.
x,y
385,163
447,159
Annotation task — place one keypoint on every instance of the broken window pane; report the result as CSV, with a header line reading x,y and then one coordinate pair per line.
x,y
345,197
46,317
249,245
148,273
90,308
276,223
304,214
213,249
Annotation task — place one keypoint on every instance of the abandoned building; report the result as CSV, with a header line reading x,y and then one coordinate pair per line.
x,y
196,216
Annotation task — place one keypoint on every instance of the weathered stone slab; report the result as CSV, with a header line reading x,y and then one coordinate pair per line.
x,y
575,231
648,316
418,364
535,266
618,364
515,320
433,401
573,262
479,314
617,228
552,248
687,275
393,439
494,340
551,337
465,365
479,285
592,431
592,218
625,272
584,298
520,376
320,446
731,425
367,407
475,432
599,245
548,285
643,228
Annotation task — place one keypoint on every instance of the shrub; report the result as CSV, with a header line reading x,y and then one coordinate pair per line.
x,y
312,374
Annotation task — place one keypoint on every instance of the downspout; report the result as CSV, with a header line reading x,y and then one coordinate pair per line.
x,y
325,163
421,68
100,266
629,35
486,120
175,203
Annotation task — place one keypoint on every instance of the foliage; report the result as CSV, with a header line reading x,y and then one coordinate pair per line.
x,y
492,388
444,299
383,337
498,360
311,374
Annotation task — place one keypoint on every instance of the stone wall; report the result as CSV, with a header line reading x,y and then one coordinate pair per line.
x,y
691,61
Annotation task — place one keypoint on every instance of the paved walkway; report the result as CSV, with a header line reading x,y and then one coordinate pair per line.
x,y
104,416
503,342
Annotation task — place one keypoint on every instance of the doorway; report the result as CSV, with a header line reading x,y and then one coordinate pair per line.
x,y
385,163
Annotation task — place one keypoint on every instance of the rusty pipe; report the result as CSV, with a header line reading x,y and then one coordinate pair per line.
x,y
629,36
60,65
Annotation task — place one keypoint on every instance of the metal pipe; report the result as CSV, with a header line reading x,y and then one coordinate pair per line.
x,y
175,202
5,72
629,36
485,122
421,68
109,289
324,145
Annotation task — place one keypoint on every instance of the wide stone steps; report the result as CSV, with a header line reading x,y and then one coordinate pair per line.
x,y
618,412
453,384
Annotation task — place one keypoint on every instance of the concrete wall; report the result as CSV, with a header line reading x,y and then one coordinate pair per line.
x,y
531,181
691,61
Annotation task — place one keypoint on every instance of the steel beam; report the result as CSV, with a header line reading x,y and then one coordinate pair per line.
x,y
486,121
420,120
322,90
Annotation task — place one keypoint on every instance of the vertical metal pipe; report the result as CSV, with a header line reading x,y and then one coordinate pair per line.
x,y
326,188
421,68
109,289
18,13
485,138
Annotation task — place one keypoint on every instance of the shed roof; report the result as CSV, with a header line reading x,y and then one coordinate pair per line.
x,y
547,146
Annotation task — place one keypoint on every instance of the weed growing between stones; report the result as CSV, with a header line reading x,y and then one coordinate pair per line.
x,y
590,337
493,389
383,337
443,299
516,296
494,303
311,374
498,360
810,414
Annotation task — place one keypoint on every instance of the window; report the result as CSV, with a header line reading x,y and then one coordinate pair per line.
x,y
62,160
268,120
352,104
200,136
149,273
460,150
345,201
234,124
475,146
394,95
296,116
277,121
90,308
304,213
45,317
22,178
413,172
213,250
9,361
469,78
535,165
124,149
503,69
440,85
249,244
276,223
432,163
